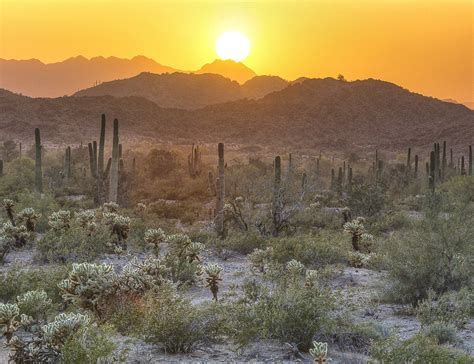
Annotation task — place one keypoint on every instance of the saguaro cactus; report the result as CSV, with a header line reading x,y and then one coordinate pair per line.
x,y
409,162
67,164
432,166
277,207
194,162
416,167
463,169
38,162
100,163
470,160
219,221
1,167
349,180
114,167
444,162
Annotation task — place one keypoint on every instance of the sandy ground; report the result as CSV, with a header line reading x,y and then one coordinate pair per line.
x,y
359,285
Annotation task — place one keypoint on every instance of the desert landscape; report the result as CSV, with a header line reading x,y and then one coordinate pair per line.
x,y
173,210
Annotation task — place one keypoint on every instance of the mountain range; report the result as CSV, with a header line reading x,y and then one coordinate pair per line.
x,y
309,114
187,91
37,79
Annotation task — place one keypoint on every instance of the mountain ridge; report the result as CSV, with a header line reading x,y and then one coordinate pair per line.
x,y
313,114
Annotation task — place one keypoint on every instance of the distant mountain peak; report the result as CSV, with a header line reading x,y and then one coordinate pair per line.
x,y
236,71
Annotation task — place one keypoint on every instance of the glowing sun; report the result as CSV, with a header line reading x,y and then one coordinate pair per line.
x,y
233,45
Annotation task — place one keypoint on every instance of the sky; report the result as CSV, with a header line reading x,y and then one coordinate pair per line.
x,y
425,46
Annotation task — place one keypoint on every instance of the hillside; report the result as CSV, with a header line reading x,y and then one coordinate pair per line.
x,y
175,90
316,113
187,91
37,79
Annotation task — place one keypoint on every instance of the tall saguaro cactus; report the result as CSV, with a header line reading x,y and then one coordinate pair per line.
x,y
470,160
277,207
219,221
1,167
67,164
416,166
194,162
432,170
100,163
38,162
114,167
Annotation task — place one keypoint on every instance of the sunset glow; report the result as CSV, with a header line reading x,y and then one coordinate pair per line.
x,y
233,45
410,43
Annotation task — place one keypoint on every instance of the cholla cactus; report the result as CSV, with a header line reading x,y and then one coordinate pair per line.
x,y
5,247
85,218
178,243
120,227
110,207
359,259
154,237
356,229
14,234
213,272
319,352
141,208
60,220
310,279
140,276
64,325
366,242
8,205
28,217
193,251
34,304
260,258
295,268
8,319
88,285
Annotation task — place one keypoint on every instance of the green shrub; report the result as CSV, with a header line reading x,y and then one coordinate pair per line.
x,y
323,248
418,350
450,308
74,244
441,331
16,281
89,346
290,313
244,243
176,324
433,255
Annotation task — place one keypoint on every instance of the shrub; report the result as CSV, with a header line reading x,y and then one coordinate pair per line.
x,y
89,346
450,308
326,247
442,332
419,349
74,244
244,243
16,281
291,312
433,255
176,324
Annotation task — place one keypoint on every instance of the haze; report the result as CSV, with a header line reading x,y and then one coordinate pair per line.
x,y
426,46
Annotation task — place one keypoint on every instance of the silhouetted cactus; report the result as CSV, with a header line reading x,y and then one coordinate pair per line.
x,y
463,168
432,172
194,162
219,220
67,164
38,162
349,180
114,168
1,167
444,162
416,167
470,160
277,204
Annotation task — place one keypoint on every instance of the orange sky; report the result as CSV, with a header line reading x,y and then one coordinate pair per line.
x,y
426,46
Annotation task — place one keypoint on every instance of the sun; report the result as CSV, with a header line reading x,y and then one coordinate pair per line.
x,y
233,45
